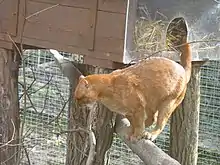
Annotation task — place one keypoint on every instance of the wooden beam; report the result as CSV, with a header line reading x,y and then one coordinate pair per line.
x,y
6,45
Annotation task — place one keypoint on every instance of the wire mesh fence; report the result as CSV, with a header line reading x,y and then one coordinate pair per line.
x,y
44,110
209,129
44,113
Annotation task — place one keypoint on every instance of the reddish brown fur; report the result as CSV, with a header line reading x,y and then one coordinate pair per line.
x,y
153,86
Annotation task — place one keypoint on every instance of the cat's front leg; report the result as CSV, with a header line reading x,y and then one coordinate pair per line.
x,y
131,129
138,125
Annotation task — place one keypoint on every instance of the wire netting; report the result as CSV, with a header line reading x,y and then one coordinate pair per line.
x,y
46,107
44,114
209,129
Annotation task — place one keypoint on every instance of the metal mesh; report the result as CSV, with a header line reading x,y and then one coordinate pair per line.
x,y
209,129
49,94
46,113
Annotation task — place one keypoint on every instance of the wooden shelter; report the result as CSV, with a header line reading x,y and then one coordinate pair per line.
x,y
94,28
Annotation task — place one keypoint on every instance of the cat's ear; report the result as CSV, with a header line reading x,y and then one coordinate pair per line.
x,y
83,80
81,77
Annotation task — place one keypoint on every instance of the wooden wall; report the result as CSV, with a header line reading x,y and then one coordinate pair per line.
x,y
94,28
8,22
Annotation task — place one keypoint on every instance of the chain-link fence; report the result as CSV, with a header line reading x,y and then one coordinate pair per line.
x,y
44,113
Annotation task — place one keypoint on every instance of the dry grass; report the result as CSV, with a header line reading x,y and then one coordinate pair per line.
x,y
151,39
149,35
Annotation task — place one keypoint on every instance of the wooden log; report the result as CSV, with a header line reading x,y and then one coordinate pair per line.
x,y
78,142
78,151
184,130
9,107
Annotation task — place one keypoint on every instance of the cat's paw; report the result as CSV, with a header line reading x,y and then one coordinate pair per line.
x,y
150,136
133,138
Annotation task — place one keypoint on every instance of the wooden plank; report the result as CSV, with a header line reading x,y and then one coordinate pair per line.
x,y
117,6
113,45
110,25
40,32
6,45
4,37
103,63
70,30
68,48
8,16
74,3
69,27
98,62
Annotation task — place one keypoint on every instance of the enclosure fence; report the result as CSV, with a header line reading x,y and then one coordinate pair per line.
x,y
44,113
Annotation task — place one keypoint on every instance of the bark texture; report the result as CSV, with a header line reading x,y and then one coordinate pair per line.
x,y
78,142
185,123
9,107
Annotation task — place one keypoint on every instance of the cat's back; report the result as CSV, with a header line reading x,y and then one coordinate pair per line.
x,y
152,66
154,75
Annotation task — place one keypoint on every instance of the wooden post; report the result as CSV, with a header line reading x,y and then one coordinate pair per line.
x,y
185,123
78,142
9,107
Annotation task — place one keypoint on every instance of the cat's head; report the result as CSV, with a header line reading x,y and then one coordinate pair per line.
x,y
85,92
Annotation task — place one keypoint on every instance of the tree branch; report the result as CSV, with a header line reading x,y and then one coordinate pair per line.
x,y
147,151
70,71
92,138
66,66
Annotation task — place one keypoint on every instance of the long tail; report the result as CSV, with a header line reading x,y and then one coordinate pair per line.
x,y
186,60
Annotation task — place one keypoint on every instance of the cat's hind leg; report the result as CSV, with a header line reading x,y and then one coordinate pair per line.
x,y
151,118
165,109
